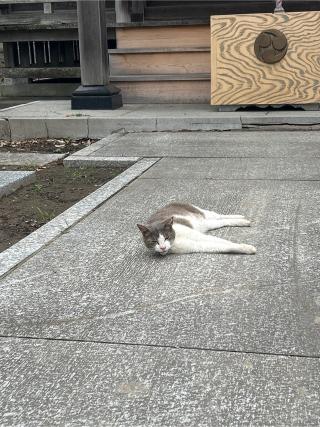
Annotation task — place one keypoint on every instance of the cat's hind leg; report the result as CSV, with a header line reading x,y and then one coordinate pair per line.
x,y
199,242
214,223
212,220
214,215
226,222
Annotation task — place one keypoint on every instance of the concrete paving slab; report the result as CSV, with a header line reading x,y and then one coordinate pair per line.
x,y
305,168
61,383
96,282
211,144
30,120
60,109
28,159
10,181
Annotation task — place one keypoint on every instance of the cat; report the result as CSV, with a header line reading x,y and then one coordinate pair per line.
x,y
180,228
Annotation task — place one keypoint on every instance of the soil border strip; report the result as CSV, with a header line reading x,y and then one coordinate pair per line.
x,y
31,244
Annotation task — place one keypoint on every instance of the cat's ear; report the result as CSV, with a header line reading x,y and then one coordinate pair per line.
x,y
169,221
143,228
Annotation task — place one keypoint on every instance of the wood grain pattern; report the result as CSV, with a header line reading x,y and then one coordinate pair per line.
x,y
238,77
148,37
166,92
160,63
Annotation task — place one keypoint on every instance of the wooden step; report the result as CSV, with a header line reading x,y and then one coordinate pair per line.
x,y
161,77
165,92
163,37
175,61
183,71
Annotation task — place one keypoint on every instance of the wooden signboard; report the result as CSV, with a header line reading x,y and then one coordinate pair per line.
x,y
253,64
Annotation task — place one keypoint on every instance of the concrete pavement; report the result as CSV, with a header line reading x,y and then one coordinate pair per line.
x,y
98,332
55,119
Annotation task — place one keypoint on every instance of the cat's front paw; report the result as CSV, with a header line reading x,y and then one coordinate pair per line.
x,y
248,249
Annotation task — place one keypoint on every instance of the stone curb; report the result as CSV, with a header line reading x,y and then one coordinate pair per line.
x,y
221,123
97,145
79,161
8,158
96,127
21,178
53,229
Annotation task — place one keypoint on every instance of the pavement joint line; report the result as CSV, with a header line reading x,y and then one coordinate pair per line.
x,y
46,126
251,125
9,128
87,126
228,157
229,179
166,346
20,252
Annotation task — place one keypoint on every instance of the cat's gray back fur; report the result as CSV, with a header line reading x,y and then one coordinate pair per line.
x,y
180,212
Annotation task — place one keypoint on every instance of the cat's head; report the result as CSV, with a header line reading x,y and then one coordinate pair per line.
x,y
158,237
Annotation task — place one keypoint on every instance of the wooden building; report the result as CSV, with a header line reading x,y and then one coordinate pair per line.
x,y
158,51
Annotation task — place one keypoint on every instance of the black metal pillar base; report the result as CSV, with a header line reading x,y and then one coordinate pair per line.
x,y
96,98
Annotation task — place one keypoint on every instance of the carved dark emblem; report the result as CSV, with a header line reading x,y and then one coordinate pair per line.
x,y
271,46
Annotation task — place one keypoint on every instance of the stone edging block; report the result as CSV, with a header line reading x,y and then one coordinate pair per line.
x,y
53,229
83,161
10,181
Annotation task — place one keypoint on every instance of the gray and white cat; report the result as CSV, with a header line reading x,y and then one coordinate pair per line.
x,y
180,228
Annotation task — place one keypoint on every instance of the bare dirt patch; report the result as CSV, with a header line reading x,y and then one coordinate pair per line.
x,y
44,145
56,189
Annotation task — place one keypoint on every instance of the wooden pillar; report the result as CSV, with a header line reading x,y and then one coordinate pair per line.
x,y
95,91
122,11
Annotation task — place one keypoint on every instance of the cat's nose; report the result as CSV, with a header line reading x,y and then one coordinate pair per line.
x,y
162,248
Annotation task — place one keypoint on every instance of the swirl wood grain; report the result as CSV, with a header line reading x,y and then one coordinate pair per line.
x,y
238,77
